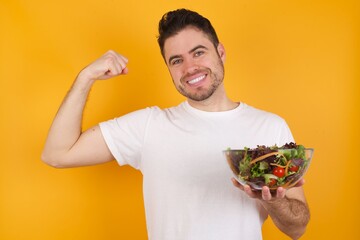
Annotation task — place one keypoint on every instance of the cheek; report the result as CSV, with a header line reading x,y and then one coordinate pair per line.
x,y
175,75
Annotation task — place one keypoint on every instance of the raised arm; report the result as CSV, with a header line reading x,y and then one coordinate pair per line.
x,y
66,144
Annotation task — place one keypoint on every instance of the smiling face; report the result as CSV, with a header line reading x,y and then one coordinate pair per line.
x,y
195,65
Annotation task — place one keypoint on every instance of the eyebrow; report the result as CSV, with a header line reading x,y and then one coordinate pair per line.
x,y
191,51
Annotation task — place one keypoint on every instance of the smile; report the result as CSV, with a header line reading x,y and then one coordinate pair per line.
x,y
195,80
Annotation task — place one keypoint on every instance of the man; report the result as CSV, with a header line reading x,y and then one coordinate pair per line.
x,y
187,191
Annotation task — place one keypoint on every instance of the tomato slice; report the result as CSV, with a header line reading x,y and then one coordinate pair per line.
x,y
272,182
279,172
294,168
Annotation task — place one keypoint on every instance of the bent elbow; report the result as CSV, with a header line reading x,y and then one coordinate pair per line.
x,y
300,230
298,234
52,161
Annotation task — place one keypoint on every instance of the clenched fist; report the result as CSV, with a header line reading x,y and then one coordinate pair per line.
x,y
109,65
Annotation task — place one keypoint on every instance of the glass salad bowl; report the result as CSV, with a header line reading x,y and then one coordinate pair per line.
x,y
269,166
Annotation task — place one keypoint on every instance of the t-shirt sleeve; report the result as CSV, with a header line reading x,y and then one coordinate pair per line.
x,y
285,135
125,135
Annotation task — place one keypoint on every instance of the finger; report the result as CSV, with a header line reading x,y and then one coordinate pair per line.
x,y
125,70
114,67
300,183
246,188
104,67
237,184
122,67
123,58
117,65
122,61
116,61
266,194
249,192
280,192
117,55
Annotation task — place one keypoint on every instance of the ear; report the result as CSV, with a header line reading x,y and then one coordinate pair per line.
x,y
221,52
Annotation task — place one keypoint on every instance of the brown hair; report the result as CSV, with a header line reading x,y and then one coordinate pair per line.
x,y
173,22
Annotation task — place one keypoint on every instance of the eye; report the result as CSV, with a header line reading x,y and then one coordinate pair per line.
x,y
198,53
176,61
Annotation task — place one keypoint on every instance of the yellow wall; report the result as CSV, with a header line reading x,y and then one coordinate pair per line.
x,y
299,59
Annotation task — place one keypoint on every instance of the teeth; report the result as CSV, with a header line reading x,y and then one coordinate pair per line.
x,y
195,80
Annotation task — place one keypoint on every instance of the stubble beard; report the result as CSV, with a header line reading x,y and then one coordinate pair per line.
x,y
202,94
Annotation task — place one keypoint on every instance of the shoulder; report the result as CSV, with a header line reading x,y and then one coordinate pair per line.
x,y
145,114
258,113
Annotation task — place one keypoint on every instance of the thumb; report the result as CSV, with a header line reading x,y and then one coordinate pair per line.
x,y
125,70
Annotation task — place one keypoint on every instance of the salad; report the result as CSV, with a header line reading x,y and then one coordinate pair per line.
x,y
271,166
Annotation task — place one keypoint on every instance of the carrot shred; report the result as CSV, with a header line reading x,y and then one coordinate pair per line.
x,y
274,164
287,167
266,156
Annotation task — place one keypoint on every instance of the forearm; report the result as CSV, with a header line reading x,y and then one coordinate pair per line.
x,y
66,127
291,216
66,145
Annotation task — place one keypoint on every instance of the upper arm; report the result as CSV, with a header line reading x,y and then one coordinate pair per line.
x,y
89,149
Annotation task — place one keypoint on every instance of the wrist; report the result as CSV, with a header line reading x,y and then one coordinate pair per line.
x,y
275,203
83,82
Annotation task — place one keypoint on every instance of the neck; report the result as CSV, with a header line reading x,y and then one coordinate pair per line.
x,y
218,102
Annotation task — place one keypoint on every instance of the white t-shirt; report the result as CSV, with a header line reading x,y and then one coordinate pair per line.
x,y
187,189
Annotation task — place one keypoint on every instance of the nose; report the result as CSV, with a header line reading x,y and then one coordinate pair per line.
x,y
190,66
